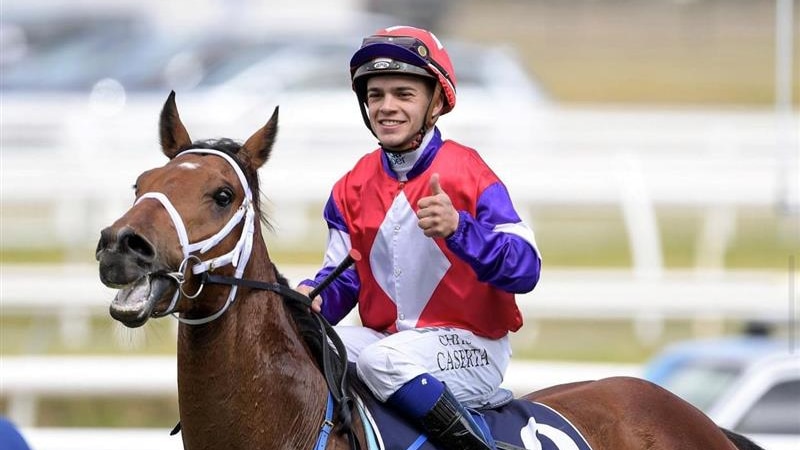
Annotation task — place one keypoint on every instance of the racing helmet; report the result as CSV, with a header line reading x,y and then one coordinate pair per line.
x,y
407,50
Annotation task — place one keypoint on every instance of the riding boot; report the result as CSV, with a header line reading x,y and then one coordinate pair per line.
x,y
449,425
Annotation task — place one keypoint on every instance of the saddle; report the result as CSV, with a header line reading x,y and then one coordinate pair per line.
x,y
521,423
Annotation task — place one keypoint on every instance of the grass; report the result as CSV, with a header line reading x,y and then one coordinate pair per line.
x,y
771,244
127,412
572,237
34,255
587,237
762,238
577,339
618,341
41,336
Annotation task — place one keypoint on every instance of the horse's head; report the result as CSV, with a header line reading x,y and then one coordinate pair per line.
x,y
196,213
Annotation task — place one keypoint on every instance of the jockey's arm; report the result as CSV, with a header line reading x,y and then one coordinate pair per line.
x,y
499,247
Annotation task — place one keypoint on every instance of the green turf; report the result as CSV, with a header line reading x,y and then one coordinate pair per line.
x,y
125,412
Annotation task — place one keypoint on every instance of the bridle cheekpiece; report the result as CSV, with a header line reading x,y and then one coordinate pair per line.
x,y
237,257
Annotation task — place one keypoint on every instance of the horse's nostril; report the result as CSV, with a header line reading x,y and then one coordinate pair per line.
x,y
128,241
102,243
138,245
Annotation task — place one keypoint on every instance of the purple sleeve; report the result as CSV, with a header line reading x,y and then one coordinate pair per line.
x,y
504,259
341,295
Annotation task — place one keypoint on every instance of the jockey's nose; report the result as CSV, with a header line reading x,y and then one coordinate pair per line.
x,y
127,242
387,103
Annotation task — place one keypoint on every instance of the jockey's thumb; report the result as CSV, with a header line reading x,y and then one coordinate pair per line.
x,y
436,188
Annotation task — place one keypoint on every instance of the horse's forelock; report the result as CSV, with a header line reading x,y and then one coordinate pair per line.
x,y
231,148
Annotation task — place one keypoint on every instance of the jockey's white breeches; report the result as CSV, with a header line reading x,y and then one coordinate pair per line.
x,y
471,366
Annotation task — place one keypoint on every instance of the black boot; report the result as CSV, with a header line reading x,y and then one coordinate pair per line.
x,y
449,425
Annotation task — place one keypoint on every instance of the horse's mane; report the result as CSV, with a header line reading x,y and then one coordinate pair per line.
x,y
307,326
231,148
315,339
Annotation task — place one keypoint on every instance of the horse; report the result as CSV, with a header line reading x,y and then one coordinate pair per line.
x,y
249,376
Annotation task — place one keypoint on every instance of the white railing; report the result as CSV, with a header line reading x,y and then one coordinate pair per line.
x,y
635,159
73,294
27,379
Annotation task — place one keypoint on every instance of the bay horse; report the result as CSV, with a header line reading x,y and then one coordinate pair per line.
x,y
248,375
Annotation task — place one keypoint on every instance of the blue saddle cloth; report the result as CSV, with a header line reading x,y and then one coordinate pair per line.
x,y
522,423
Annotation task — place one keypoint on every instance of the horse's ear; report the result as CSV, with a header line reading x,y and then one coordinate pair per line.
x,y
174,136
259,145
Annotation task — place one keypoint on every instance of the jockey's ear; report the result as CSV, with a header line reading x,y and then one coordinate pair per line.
x,y
436,107
257,148
173,134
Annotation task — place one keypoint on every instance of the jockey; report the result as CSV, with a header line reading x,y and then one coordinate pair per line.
x,y
445,249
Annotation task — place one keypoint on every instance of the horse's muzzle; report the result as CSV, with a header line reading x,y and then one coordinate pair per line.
x,y
124,256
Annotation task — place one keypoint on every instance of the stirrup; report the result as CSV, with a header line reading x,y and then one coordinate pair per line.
x,y
506,446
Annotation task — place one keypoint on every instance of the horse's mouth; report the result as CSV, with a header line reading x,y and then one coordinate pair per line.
x,y
135,303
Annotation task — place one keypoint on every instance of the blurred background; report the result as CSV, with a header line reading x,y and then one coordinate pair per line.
x,y
652,145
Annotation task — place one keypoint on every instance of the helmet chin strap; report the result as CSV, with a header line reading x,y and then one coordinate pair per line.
x,y
427,124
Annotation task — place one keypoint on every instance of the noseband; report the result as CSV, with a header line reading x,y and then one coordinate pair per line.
x,y
237,257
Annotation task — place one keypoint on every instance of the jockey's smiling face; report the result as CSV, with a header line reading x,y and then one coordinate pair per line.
x,y
397,106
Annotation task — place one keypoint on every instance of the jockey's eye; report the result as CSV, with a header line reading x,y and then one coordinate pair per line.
x,y
223,197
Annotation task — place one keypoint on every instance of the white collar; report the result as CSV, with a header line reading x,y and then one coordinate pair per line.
x,y
402,163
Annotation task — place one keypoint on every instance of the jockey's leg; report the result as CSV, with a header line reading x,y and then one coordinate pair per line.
x,y
356,338
409,370
430,404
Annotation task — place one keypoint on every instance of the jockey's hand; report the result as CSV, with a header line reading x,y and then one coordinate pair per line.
x,y
437,216
316,304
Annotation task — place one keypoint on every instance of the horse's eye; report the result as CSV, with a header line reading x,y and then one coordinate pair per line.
x,y
223,197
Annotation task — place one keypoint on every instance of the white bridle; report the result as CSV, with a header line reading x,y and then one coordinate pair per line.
x,y
237,257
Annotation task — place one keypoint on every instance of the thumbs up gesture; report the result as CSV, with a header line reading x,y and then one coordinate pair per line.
x,y
437,216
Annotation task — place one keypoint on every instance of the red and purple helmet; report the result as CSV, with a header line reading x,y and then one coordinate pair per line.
x,y
408,50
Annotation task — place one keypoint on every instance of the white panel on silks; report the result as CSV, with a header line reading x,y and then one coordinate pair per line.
x,y
407,264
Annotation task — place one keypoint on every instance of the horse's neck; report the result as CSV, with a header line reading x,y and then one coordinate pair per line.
x,y
248,375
